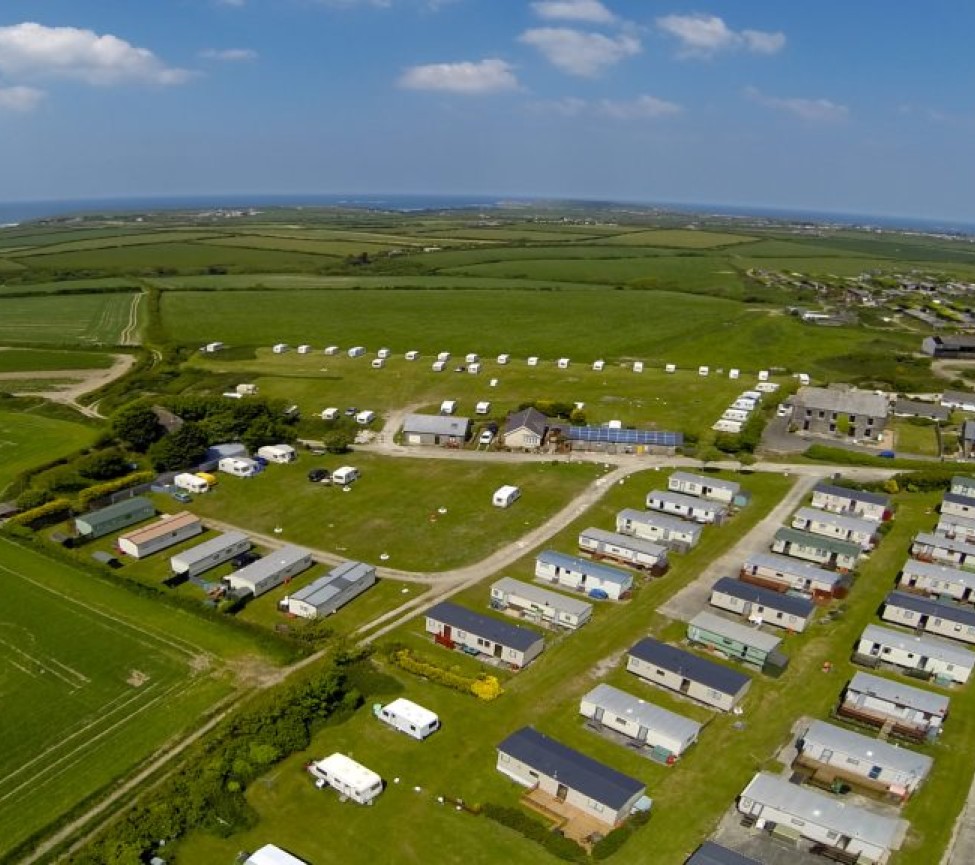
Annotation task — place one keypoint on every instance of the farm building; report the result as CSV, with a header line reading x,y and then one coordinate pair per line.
x,y
348,778
840,500
167,531
783,574
241,467
667,734
534,760
434,429
277,453
962,485
271,855
705,487
607,439
538,605
688,507
958,399
828,552
672,668
710,853
505,496
327,594
938,581
408,717
191,483
957,505
930,616
127,512
525,429
900,709
837,753
956,528
673,532
196,560
846,412
627,550
938,659
761,605
866,837
592,578
738,641
271,571
929,547
914,408
454,626
855,529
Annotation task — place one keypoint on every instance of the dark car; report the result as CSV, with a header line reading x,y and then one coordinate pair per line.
x,y
244,559
351,410
316,476
887,455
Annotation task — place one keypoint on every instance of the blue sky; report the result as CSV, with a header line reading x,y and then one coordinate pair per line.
x,y
863,106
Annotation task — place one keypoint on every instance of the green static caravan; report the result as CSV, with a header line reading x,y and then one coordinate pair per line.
x,y
97,524
746,644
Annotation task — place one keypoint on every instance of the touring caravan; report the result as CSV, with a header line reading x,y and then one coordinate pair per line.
x,y
408,717
505,496
350,779
345,475
191,483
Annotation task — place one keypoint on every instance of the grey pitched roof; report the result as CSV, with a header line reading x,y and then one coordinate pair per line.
x,y
542,597
881,753
707,673
686,501
940,542
652,717
575,770
119,509
964,615
899,693
436,424
964,481
586,566
529,417
337,580
959,499
706,481
212,547
912,567
273,562
667,522
710,853
968,431
853,495
914,408
852,524
957,397
790,604
852,401
627,542
744,634
929,647
796,567
488,627
818,542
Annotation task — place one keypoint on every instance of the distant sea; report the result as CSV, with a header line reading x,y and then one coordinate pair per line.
x,y
23,211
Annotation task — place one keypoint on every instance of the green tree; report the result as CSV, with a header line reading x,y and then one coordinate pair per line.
x,y
185,447
137,425
104,465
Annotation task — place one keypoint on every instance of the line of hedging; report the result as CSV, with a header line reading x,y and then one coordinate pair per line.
x,y
844,457
514,818
47,514
484,687
91,494
611,843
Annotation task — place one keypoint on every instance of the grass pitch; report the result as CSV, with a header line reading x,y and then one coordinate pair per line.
x,y
29,439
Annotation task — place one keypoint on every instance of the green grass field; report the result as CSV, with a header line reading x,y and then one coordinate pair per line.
x,y
78,319
29,439
29,360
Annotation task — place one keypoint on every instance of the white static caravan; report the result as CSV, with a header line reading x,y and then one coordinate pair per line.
x,y
271,571
246,389
938,658
191,483
767,386
625,549
448,406
939,581
803,378
533,360
539,605
762,606
366,416
280,348
304,348
278,453
840,500
763,375
905,711
383,353
352,780
783,573
331,413
855,529
167,531
728,426
199,559
357,351
483,407
328,594
929,547
377,362
962,485
953,621
438,365
563,363
638,366
241,467
598,365
505,496
345,475
408,717
827,552
595,580
471,357
666,733
412,354
706,487
956,528
689,507
672,532
735,414
331,350
503,359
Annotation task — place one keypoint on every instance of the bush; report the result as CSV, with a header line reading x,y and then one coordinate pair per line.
x,y
46,515
484,687
556,844
33,498
612,843
99,491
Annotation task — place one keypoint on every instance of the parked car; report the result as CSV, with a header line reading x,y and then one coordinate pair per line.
x,y
181,496
889,455
244,559
316,476
486,437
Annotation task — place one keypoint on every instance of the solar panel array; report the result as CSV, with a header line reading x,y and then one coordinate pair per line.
x,y
625,436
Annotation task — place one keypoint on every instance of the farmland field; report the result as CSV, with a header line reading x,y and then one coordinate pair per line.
x,y
29,439
678,238
82,319
29,360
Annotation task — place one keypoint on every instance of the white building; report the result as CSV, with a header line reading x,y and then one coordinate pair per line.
x,y
538,605
625,549
167,531
900,709
672,532
271,571
196,560
932,617
841,500
688,507
938,580
327,594
855,529
938,658
582,575
705,487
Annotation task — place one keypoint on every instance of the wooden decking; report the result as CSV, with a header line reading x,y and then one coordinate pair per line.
x,y
573,822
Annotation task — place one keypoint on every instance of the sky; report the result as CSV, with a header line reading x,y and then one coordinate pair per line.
x,y
847,106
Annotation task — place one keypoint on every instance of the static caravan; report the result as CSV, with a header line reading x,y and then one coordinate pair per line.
x,y
97,524
902,710
280,348
783,574
538,605
939,581
345,475
827,552
269,855
738,641
932,617
246,389
705,487
745,404
365,417
929,547
503,359
167,531
327,594
482,407
453,626
873,764
925,657
670,367
199,559
548,767
673,532
408,717
271,571
331,350
412,354
865,837
688,507
625,549
710,853
956,528
762,606
357,351
505,496
962,485
304,348
954,505
736,414
241,467
595,580
331,413
278,453
352,780
448,406
728,426
686,673
666,733
598,365
533,360
191,483
841,500
563,363
855,529
763,375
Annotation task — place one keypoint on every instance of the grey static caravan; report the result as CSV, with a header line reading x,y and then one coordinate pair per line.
x,y
956,528
761,605
710,853
706,487
408,717
97,524
824,551
674,533
929,547
201,558
625,549
926,657
955,505
453,626
940,581
740,642
538,605
962,485
783,574
841,500
690,507
352,780
327,594
900,709
269,855
167,531
855,529
596,580
932,617
271,571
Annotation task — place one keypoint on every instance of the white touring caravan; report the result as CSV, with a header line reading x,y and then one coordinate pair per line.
x,y
408,717
345,475
352,780
505,496
191,483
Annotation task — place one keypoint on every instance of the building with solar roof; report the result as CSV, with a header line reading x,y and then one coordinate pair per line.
x,y
617,440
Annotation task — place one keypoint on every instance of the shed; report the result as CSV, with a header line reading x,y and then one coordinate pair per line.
x,y
191,483
453,626
738,641
271,571
534,760
924,657
97,524
167,531
196,560
673,532
592,578
538,605
383,353
932,617
895,707
625,549
435,429
349,778
761,605
666,733
278,453
327,594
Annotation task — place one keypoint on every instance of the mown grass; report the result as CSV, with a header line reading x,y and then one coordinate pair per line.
x,y
27,440
29,360
82,319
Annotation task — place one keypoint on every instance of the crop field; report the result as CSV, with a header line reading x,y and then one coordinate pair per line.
x,y
89,684
79,286
27,440
334,248
81,319
110,241
29,360
678,238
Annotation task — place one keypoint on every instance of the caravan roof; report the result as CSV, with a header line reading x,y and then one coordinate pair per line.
x,y
412,712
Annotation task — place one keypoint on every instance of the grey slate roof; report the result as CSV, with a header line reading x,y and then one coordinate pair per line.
x,y
939,572
585,566
483,626
929,647
710,853
652,717
964,615
686,501
790,604
436,424
529,417
663,521
856,402
273,562
959,499
744,634
119,509
913,408
957,397
881,753
707,481
337,580
940,542
796,567
853,495
899,693
818,542
628,542
555,760
542,597
964,481
708,673
850,524
209,548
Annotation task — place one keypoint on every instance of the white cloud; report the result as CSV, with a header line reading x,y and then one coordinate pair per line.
x,y
644,106
31,50
486,76
579,53
19,98
809,110
229,55
574,10
704,35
